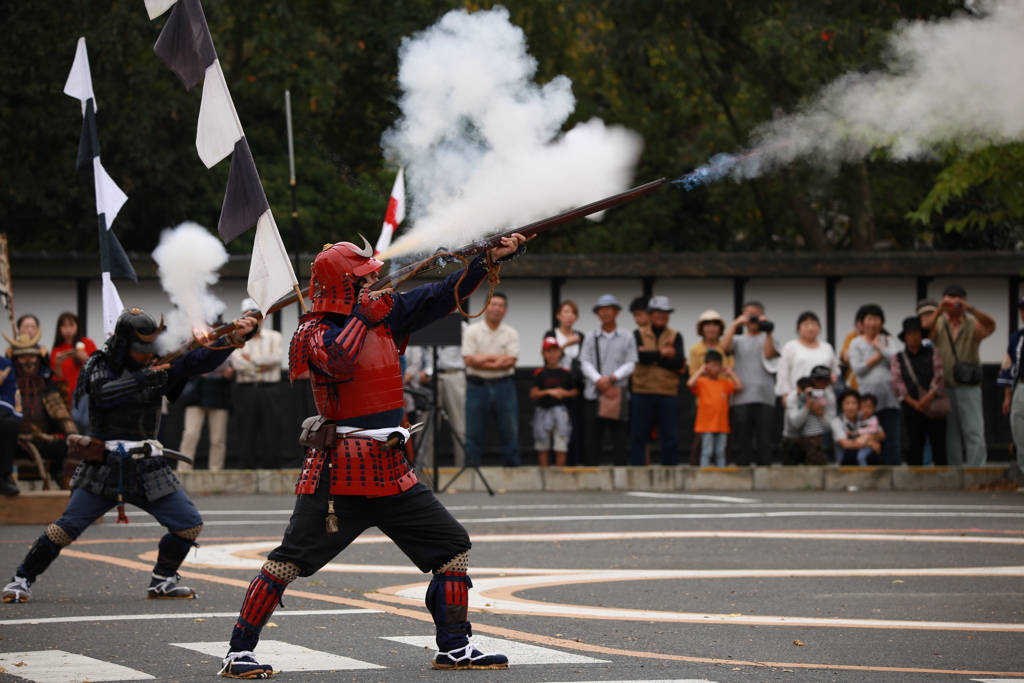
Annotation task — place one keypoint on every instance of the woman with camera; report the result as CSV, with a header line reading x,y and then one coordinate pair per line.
x,y
803,354
753,407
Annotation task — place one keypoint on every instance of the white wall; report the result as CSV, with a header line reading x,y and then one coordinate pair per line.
x,y
896,296
586,291
529,313
691,297
990,295
46,300
785,299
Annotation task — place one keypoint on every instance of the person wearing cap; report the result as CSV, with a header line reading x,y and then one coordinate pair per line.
x,y
1010,378
710,327
207,399
552,387
871,356
656,385
810,408
607,359
925,306
491,351
756,357
571,341
257,374
957,330
917,380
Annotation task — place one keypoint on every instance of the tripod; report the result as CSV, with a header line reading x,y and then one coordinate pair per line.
x,y
435,416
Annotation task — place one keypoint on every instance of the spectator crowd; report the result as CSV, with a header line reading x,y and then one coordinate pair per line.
x,y
601,397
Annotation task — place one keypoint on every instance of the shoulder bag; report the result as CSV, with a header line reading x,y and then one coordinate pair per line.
x,y
964,372
940,406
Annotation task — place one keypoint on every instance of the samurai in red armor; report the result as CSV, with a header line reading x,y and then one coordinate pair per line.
x,y
354,477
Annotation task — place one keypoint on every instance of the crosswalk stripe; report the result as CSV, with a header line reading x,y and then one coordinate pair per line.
x,y
517,653
57,666
190,615
286,657
985,680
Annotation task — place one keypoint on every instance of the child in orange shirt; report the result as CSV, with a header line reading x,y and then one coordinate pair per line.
x,y
712,393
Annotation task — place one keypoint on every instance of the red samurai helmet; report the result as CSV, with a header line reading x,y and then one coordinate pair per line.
x,y
332,283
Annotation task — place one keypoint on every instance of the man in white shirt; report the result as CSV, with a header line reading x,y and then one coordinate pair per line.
x,y
490,350
607,359
257,367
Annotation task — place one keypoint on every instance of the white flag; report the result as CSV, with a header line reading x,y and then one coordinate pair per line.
x,y
112,306
271,276
157,7
109,197
219,128
79,83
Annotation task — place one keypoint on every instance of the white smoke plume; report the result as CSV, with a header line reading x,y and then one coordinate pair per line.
x,y
952,80
481,142
188,258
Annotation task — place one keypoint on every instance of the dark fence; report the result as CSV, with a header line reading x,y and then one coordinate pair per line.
x,y
296,403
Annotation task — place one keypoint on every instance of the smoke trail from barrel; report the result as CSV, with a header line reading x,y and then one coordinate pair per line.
x,y
188,259
481,142
956,80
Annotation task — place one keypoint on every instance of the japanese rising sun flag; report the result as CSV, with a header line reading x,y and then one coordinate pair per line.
x,y
394,215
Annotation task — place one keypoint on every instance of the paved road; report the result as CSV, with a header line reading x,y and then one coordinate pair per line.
x,y
908,587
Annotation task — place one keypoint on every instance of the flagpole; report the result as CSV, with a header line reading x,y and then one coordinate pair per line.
x,y
291,170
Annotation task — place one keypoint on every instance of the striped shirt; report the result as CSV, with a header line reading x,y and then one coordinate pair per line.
x,y
618,358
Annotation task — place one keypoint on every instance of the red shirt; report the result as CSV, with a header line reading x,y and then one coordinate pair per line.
x,y
712,404
70,367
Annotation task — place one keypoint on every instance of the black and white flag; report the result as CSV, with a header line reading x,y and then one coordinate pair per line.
x,y
109,197
186,46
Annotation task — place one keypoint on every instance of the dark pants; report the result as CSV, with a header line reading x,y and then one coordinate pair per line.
x,y
177,512
8,443
752,425
649,410
259,418
492,400
921,428
889,420
415,520
600,432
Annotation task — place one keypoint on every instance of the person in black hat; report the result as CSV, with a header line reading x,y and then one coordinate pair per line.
x,y
1010,378
918,381
957,329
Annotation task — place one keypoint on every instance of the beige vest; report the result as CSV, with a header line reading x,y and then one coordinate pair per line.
x,y
653,379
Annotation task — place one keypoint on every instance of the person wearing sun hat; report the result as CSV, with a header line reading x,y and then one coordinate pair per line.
x,y
607,359
656,385
710,327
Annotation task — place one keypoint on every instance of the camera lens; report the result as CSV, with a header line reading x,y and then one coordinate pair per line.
x,y
753,318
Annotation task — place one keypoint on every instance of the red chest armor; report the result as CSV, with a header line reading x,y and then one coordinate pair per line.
x,y
373,384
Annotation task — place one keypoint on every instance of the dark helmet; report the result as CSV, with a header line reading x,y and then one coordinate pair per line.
x,y
138,329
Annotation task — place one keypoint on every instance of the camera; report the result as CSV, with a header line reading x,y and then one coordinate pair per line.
x,y
765,326
753,318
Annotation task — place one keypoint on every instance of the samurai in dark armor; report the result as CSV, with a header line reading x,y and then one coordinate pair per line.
x,y
121,459
355,475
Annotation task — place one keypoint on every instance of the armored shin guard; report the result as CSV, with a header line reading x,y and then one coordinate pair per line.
x,y
43,552
173,550
262,598
448,602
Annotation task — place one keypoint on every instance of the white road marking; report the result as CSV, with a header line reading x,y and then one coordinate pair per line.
x,y
613,518
691,496
286,657
980,680
57,666
191,615
517,653
480,598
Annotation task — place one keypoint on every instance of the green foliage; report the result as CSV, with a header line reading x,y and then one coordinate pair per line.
x,y
976,190
693,77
